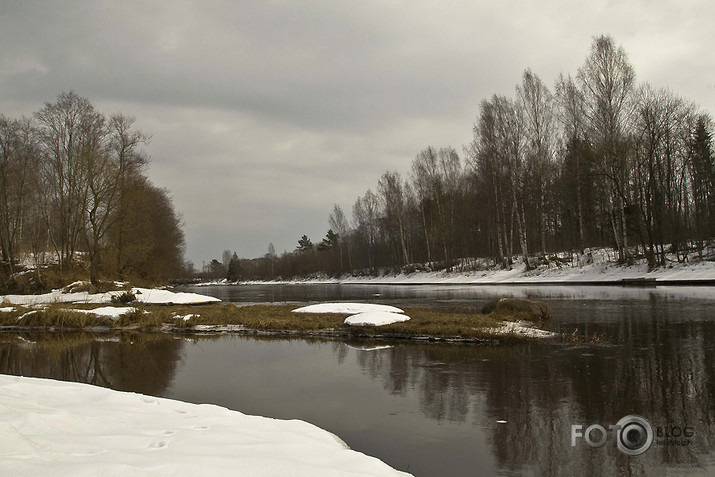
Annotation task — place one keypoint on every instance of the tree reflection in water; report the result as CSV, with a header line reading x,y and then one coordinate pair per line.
x,y
143,363
540,390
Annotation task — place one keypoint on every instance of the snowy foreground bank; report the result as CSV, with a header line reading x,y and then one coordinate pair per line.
x,y
67,429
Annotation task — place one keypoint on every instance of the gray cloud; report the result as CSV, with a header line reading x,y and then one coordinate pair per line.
x,y
265,113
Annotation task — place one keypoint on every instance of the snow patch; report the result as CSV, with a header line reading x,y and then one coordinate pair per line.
x,y
7,309
522,328
185,317
112,312
347,308
143,295
25,315
375,318
65,429
156,296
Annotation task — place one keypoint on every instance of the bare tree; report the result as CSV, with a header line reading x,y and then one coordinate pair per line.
x,y
537,104
18,169
573,116
124,143
487,156
71,136
365,217
436,178
390,188
607,83
339,224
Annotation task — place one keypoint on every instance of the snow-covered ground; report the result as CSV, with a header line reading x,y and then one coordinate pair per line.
x,y
112,312
362,314
594,273
599,266
142,295
375,318
347,308
67,429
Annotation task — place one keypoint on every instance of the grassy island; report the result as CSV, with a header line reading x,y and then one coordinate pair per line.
x,y
508,320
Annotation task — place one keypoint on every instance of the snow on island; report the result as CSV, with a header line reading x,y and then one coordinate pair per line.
x,y
65,429
347,308
375,318
111,312
151,296
362,314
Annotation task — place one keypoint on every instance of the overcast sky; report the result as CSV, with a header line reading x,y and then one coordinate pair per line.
x,y
265,113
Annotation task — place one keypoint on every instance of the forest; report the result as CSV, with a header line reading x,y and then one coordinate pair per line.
x,y
75,201
598,160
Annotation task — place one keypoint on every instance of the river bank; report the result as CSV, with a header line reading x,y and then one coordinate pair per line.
x,y
60,428
599,269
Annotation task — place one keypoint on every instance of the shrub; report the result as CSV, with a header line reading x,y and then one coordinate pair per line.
x,y
124,297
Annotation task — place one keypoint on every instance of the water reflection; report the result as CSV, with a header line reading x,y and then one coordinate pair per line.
x,y
143,363
541,390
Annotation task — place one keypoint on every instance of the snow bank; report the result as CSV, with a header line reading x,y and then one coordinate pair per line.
x,y
165,297
113,312
375,318
602,271
143,295
66,429
347,308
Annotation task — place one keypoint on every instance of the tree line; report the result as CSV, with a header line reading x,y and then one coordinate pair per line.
x,y
74,192
598,160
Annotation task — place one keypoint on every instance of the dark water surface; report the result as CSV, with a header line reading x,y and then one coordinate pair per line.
x,y
438,410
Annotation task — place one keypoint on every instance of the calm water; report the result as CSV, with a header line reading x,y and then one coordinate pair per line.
x,y
437,410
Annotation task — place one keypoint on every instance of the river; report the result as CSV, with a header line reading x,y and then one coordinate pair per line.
x,y
442,410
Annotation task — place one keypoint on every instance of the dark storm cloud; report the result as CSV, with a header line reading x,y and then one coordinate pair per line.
x,y
265,113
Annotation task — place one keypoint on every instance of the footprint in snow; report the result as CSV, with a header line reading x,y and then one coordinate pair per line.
x,y
158,445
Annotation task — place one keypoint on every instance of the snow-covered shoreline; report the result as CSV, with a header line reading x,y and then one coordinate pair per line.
x,y
66,429
601,273
150,296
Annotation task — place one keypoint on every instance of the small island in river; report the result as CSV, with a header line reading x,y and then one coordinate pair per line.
x,y
140,309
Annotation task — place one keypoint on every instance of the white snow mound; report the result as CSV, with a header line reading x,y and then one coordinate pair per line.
x,y
66,429
375,318
166,297
113,312
347,308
